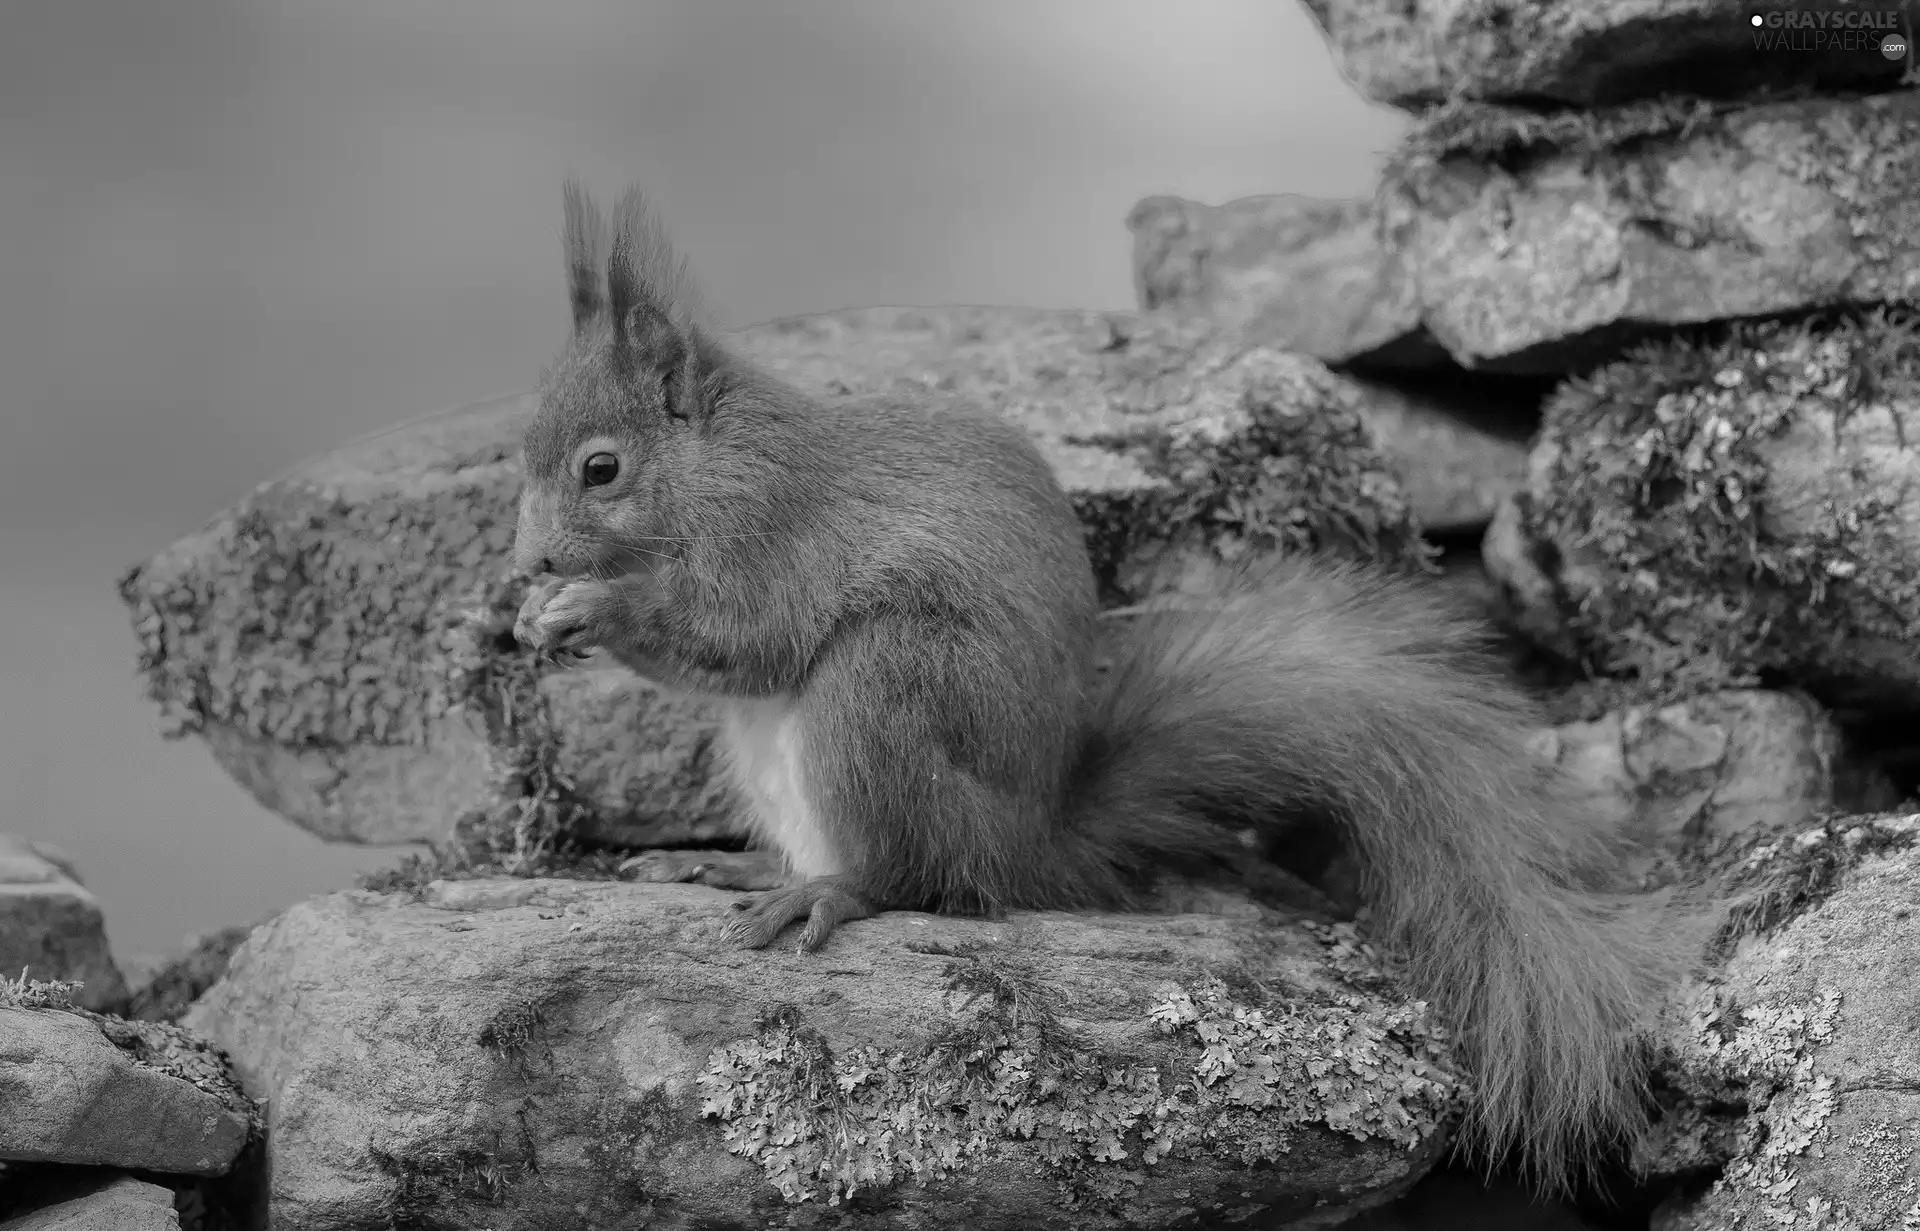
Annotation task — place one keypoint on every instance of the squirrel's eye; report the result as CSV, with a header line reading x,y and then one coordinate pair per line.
x,y
600,469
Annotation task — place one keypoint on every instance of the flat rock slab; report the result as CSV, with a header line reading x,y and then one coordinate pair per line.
x,y
1416,53
73,1096
503,1049
117,1203
1306,274
1531,243
1710,514
339,639
51,927
1810,1029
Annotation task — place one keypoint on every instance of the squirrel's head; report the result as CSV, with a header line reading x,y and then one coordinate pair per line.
x,y
626,407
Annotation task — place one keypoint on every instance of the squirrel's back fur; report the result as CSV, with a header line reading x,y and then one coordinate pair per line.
x,y
911,577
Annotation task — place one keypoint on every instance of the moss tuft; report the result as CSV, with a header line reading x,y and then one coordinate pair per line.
x,y
423,1186
1287,463
1009,1075
530,828
517,1031
1772,879
25,993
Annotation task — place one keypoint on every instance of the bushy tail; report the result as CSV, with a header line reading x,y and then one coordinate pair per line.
x,y
1331,691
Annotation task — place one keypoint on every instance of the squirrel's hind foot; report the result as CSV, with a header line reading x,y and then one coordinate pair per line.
x,y
824,902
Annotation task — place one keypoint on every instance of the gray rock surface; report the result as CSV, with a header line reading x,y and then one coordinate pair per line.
x,y
1681,780
317,636
1702,515
1414,53
114,1203
1306,274
421,1058
73,1096
1452,468
51,927
1311,275
1810,1029
1534,244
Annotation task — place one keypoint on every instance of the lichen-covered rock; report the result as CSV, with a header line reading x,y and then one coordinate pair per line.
x,y
51,927
1415,53
1682,780
1535,243
313,638
110,1202
1310,275
340,639
505,1049
1703,515
1808,1034
98,1091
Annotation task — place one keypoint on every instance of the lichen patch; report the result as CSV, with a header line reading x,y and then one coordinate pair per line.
x,y
1238,1083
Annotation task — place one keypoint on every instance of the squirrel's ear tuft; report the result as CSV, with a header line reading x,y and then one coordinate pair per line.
x,y
654,308
584,238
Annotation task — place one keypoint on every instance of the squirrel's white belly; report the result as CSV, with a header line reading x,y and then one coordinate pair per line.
x,y
762,739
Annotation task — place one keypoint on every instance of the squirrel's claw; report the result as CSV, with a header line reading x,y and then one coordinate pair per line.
x,y
561,622
823,902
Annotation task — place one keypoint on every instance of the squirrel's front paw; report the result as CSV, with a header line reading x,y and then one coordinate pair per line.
x,y
568,618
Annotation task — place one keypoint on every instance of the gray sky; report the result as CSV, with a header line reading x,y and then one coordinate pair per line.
x,y
236,232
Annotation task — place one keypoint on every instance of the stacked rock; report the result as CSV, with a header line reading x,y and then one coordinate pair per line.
x,y
1697,224
1627,305
104,1121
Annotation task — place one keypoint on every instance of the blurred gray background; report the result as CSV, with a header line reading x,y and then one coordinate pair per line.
x,y
236,232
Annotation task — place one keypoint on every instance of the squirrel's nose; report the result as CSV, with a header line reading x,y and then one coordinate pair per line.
x,y
543,565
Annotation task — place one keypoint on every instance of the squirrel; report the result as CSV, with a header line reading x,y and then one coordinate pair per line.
x,y
890,601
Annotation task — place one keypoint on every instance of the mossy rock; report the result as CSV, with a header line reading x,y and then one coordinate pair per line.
x,y
501,1049
52,927
1790,1073
1312,275
85,1089
1418,53
340,639
1715,513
